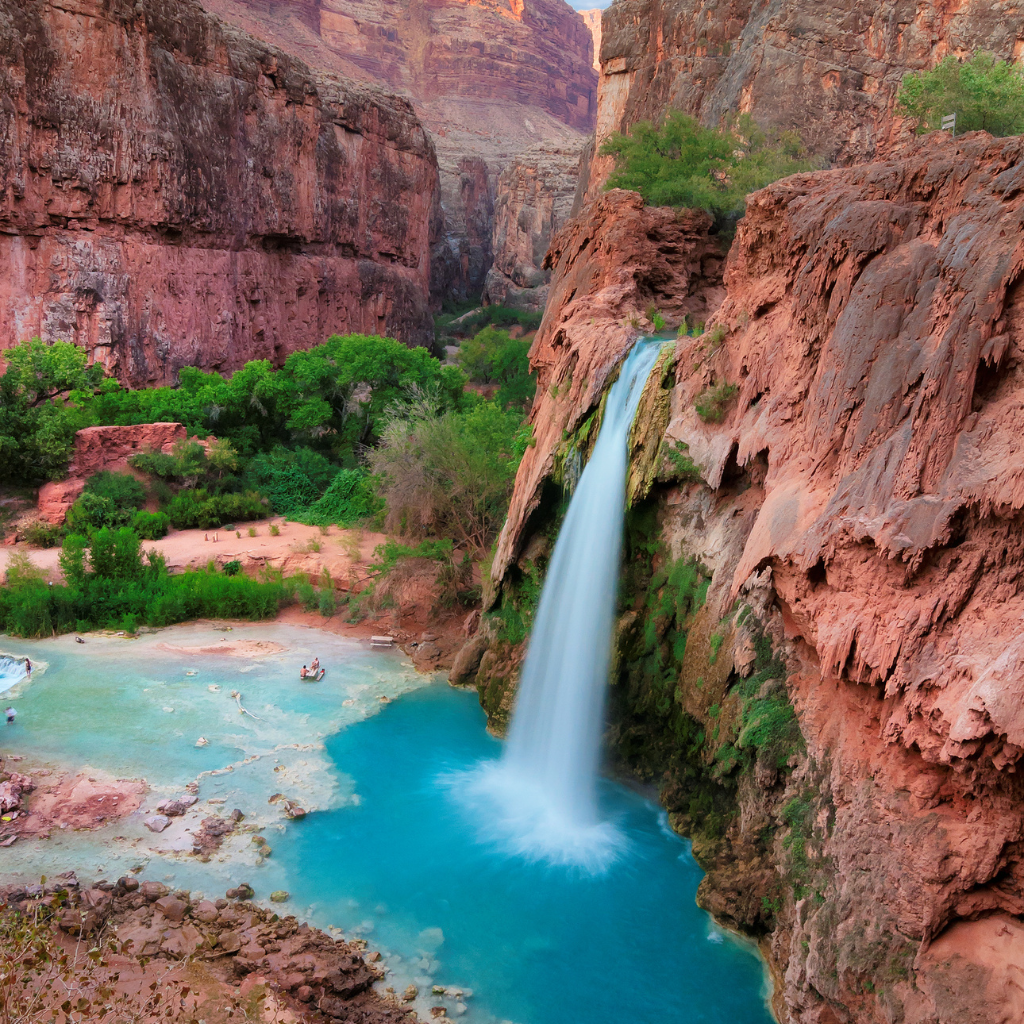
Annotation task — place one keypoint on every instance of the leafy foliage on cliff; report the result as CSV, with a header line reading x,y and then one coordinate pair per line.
x,y
682,163
985,93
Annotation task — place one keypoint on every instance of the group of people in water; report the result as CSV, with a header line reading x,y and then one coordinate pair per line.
x,y
314,672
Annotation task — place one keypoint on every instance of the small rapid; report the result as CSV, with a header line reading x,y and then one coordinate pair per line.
x,y
12,671
545,785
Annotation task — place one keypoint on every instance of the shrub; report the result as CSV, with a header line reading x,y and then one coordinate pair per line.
x,y
984,92
292,479
451,474
710,403
196,509
232,568
151,525
122,489
92,512
43,535
350,500
682,163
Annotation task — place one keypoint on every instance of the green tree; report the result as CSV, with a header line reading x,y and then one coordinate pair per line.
x,y
493,357
985,93
449,474
682,163
72,559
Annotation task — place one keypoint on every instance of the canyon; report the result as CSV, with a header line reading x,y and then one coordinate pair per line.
x,y
489,80
852,496
174,192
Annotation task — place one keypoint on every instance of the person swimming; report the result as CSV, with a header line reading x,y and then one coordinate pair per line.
x,y
11,714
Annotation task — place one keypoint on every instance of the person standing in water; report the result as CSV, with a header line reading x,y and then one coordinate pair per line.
x,y
11,714
28,666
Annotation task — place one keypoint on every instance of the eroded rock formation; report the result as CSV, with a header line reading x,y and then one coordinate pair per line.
x,y
174,192
535,194
610,267
828,69
488,78
843,466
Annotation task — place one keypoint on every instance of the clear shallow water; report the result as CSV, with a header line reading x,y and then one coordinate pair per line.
x,y
396,854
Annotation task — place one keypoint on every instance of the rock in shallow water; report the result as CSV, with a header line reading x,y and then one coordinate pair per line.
x,y
157,822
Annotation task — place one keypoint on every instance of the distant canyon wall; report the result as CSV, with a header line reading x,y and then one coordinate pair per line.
x,y
174,192
489,79
534,198
828,69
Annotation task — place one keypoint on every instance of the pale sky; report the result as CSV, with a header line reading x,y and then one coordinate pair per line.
x,y
589,5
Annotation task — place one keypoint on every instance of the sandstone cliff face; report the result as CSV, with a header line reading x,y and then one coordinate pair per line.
x,y
609,266
828,69
488,78
174,192
858,510
535,194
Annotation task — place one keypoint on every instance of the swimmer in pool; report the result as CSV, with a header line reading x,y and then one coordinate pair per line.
x,y
10,713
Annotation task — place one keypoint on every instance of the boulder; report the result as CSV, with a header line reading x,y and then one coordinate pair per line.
x,y
153,891
205,912
467,661
156,822
172,908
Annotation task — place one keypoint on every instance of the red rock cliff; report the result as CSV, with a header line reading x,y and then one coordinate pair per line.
x,y
863,497
174,192
828,69
488,78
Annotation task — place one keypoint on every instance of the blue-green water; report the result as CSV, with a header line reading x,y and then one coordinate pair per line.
x,y
394,855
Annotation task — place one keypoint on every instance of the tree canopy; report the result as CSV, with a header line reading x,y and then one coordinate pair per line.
x,y
682,163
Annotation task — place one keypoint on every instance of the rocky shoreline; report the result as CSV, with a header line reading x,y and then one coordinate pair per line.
x,y
242,946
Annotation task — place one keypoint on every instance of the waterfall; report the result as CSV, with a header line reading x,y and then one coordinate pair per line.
x,y
546,783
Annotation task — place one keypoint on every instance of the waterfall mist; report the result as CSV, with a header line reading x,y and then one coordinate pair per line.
x,y
545,786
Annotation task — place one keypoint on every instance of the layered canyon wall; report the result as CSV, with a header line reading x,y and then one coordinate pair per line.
x,y
535,195
829,69
488,79
837,723
174,192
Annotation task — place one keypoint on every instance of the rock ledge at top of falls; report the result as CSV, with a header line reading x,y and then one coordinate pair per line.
x,y
864,494
609,266
176,193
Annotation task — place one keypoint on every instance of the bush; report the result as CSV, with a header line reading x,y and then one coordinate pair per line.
x,y
151,525
710,403
122,489
232,568
351,500
984,92
293,479
43,535
122,590
91,512
450,474
196,509
682,163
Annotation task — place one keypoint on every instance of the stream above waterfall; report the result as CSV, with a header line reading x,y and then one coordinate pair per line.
x,y
389,852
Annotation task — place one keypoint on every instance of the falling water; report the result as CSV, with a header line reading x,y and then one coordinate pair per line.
x,y
546,783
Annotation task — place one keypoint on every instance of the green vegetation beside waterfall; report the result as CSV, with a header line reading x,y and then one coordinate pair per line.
x,y
682,163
